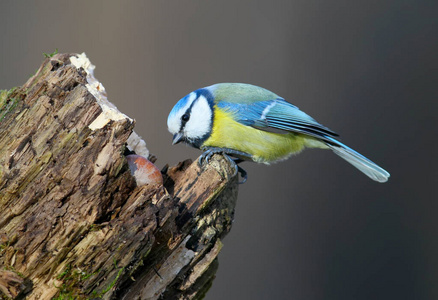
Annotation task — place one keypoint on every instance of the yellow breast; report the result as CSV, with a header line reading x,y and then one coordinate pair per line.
x,y
263,146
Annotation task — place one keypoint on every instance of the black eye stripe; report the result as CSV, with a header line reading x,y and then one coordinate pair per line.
x,y
186,116
184,119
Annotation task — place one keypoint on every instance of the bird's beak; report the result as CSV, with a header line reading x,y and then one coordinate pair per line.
x,y
178,137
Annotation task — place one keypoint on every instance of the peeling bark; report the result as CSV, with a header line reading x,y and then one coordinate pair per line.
x,y
72,220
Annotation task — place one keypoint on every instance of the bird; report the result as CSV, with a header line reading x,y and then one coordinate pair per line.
x,y
245,122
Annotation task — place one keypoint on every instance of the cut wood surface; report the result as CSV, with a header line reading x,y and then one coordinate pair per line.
x,y
73,223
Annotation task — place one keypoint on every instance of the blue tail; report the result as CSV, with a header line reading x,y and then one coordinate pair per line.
x,y
364,165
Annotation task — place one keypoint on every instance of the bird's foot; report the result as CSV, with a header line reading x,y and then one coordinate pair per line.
x,y
205,158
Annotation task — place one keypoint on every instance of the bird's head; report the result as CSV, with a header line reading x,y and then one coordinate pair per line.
x,y
191,119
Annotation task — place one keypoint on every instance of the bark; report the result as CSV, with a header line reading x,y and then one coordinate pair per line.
x,y
73,223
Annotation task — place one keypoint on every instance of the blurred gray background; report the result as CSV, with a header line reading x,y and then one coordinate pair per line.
x,y
312,227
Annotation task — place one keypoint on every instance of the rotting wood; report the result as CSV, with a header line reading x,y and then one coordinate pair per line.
x,y
72,221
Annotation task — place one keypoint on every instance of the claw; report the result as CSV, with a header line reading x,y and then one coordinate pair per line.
x,y
205,158
237,169
233,163
243,174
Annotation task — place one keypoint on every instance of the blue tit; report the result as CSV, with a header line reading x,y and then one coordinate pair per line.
x,y
248,122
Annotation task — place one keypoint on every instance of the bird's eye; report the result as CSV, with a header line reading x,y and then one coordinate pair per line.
x,y
185,117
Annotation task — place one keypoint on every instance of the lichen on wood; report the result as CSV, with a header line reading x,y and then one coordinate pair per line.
x,y
74,224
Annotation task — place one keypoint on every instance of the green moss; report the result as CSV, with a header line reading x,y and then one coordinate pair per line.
x,y
3,94
48,55
12,269
65,297
94,227
3,296
109,287
71,279
7,102
3,247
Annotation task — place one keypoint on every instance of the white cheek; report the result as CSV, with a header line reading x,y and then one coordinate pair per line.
x,y
173,124
200,119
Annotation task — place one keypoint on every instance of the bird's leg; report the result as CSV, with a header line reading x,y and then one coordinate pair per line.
x,y
243,174
205,157
209,151
238,160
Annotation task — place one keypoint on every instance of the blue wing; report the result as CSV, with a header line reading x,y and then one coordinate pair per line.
x,y
277,114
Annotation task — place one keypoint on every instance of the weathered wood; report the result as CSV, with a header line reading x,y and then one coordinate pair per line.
x,y
11,284
72,220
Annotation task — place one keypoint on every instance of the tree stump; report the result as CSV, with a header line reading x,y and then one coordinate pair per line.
x,y
73,223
